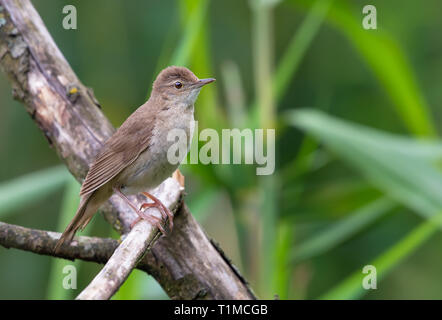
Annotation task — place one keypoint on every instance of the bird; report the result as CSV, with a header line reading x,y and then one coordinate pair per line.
x,y
134,159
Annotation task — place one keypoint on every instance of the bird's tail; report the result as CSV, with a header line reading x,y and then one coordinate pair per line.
x,y
82,217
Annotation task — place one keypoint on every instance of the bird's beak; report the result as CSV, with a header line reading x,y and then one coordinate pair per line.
x,y
202,82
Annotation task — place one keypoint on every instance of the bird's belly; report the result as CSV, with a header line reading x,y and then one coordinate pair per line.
x,y
147,172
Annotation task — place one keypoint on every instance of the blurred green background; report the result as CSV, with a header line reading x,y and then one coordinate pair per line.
x,y
357,116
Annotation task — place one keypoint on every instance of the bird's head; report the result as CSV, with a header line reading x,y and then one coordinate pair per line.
x,y
178,85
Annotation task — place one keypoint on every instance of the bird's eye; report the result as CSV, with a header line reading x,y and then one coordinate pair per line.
x,y
178,85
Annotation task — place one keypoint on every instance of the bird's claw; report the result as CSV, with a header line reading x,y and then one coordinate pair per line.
x,y
165,212
155,221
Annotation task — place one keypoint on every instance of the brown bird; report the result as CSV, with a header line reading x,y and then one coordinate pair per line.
x,y
134,159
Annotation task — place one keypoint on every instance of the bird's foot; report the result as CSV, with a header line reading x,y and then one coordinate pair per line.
x,y
155,221
165,212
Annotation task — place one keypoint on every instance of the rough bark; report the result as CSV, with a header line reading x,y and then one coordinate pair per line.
x,y
42,242
120,264
186,263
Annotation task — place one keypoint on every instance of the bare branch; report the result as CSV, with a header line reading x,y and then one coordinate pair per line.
x,y
42,242
120,265
85,248
186,263
126,256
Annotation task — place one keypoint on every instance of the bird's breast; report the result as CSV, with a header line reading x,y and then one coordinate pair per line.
x,y
153,166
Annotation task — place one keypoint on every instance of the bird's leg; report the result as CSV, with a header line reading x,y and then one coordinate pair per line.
x,y
165,212
141,215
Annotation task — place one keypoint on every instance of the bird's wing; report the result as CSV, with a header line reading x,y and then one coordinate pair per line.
x,y
121,150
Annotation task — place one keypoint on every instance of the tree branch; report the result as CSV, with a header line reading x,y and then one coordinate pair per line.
x,y
125,258
85,248
120,265
42,242
186,263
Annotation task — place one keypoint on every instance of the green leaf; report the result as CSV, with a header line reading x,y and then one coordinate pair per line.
x,y
283,271
292,57
403,170
297,48
351,287
389,64
192,28
340,231
21,192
